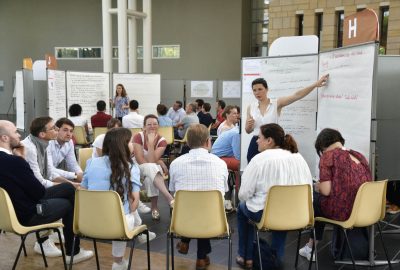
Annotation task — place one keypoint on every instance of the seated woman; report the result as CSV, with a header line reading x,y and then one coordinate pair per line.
x,y
148,147
204,115
115,170
278,163
341,171
230,115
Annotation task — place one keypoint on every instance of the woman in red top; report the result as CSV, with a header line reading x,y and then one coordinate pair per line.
x,y
342,171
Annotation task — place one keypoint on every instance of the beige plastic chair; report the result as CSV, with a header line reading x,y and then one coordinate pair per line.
x,y
99,130
83,155
368,209
135,131
80,136
100,215
180,143
198,214
167,133
288,208
9,223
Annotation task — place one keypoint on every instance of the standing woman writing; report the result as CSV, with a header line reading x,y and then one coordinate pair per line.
x,y
120,102
267,110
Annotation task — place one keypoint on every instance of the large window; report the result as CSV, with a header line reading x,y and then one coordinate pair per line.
x,y
300,24
339,25
384,20
318,24
259,27
158,52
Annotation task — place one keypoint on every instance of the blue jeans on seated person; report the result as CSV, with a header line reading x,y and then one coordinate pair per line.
x,y
246,233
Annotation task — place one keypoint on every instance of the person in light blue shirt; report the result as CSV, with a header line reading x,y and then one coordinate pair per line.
x,y
228,144
116,171
163,119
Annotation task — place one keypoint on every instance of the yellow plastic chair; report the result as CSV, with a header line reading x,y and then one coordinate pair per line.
x,y
198,214
99,130
135,131
80,136
100,215
167,133
83,155
180,143
287,208
9,223
368,209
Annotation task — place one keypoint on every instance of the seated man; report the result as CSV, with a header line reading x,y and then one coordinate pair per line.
x,y
133,119
101,118
190,119
198,170
63,152
26,192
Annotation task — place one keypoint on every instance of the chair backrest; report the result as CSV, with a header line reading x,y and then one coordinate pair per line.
x,y
287,208
199,214
83,155
369,204
167,133
99,130
8,221
80,135
135,131
99,214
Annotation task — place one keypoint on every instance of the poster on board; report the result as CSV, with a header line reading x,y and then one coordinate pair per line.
x,y
231,89
284,75
57,93
201,89
86,88
145,88
346,102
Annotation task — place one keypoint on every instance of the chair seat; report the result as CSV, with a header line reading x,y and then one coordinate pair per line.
x,y
136,231
21,230
344,224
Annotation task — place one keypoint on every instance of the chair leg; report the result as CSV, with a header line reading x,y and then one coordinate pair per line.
x,y
351,252
19,251
41,248
72,253
62,247
148,249
96,253
167,251
384,247
313,250
23,248
297,250
230,253
172,252
130,254
259,249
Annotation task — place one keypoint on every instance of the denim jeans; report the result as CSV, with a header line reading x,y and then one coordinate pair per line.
x,y
246,233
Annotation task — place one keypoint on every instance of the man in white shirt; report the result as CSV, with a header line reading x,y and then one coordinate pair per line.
x,y
63,153
176,112
189,119
133,119
198,170
42,131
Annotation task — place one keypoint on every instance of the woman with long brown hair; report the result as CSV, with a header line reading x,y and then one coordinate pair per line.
x,y
120,102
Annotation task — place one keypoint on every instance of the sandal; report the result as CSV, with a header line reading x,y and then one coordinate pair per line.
x,y
244,264
155,215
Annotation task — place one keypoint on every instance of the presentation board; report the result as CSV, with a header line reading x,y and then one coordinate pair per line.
x,y
145,88
230,89
345,103
86,88
56,90
284,75
19,100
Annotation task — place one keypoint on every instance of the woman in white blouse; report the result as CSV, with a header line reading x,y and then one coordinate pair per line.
x,y
266,110
279,163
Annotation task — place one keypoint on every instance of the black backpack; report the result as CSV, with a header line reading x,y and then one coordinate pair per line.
x,y
269,259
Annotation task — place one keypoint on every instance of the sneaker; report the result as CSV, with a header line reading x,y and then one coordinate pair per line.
x,y
306,252
120,266
155,215
393,209
143,237
54,237
83,255
143,209
228,205
50,250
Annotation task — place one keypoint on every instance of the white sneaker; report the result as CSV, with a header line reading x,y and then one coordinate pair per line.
x,y
83,255
143,209
306,252
50,250
228,205
54,237
143,237
120,266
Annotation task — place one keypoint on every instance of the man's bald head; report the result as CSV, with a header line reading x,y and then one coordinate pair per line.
x,y
9,136
6,127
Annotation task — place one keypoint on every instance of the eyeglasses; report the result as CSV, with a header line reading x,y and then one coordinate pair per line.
x,y
55,128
